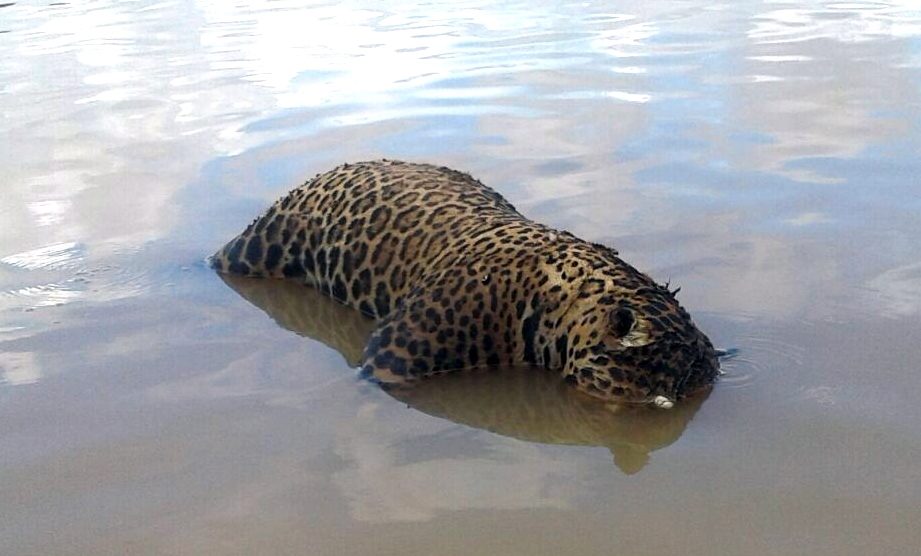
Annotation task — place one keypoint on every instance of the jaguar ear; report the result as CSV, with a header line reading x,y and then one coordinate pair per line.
x,y
624,330
622,321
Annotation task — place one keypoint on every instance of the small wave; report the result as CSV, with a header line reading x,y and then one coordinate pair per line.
x,y
50,257
99,283
759,357
43,295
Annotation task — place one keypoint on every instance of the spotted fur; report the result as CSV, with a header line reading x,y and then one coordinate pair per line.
x,y
457,278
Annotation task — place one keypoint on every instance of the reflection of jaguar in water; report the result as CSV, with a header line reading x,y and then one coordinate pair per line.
x,y
528,404
459,279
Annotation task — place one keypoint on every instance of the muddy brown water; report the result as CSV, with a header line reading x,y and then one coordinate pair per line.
x,y
765,156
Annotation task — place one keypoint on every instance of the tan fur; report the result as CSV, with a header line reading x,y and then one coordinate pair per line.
x,y
457,278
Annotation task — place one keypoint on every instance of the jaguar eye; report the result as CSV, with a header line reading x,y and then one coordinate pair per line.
x,y
622,321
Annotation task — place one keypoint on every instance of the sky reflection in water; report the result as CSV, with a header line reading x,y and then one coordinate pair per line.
x,y
762,155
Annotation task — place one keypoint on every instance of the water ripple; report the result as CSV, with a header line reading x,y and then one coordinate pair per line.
x,y
50,257
760,358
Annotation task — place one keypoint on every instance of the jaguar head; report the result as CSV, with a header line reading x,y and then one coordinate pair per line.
x,y
636,344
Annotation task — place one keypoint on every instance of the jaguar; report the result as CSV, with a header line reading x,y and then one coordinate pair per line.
x,y
457,278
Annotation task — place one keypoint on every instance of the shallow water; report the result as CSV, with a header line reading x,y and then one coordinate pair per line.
x,y
762,155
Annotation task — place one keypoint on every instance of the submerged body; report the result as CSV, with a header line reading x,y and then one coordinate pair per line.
x,y
457,278
522,403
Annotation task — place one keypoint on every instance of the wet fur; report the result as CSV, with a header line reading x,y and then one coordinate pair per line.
x,y
457,278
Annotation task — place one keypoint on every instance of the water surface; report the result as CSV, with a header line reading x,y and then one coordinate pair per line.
x,y
763,155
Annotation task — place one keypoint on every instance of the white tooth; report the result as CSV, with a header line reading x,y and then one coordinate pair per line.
x,y
663,402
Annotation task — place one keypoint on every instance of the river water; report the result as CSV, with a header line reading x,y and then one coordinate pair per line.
x,y
763,155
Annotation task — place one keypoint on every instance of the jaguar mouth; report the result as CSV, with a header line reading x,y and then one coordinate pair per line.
x,y
700,374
